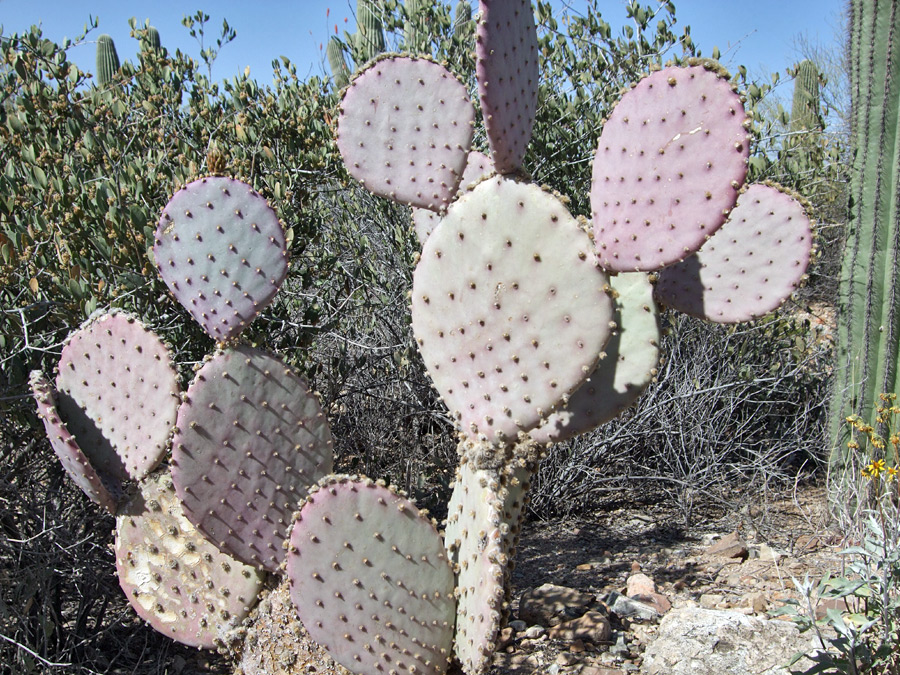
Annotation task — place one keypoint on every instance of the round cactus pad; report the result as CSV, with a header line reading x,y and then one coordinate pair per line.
x,y
626,369
102,490
177,581
477,166
371,580
404,131
119,394
507,71
221,250
474,537
669,163
251,440
751,265
508,307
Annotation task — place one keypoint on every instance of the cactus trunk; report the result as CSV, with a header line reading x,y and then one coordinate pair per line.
x,y
870,276
107,60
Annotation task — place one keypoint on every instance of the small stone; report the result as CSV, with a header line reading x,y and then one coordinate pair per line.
x,y
729,546
624,607
565,659
711,600
593,626
518,625
534,632
639,584
756,601
549,605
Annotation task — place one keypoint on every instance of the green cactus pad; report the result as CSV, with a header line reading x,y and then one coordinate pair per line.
x,y
177,581
507,71
751,265
478,165
625,370
669,163
102,490
405,129
251,440
474,537
508,308
371,580
221,250
118,393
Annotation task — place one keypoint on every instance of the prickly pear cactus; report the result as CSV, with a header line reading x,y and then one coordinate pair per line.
x,y
371,580
178,582
251,440
102,490
626,368
501,359
670,161
749,266
507,70
221,250
405,130
119,393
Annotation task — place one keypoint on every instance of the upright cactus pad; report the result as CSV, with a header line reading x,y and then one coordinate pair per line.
x,y
474,538
669,163
507,70
405,130
509,308
221,250
102,490
478,165
749,267
107,60
119,394
177,581
371,580
626,368
251,440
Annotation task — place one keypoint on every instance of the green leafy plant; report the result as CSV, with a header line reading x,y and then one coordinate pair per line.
x,y
859,630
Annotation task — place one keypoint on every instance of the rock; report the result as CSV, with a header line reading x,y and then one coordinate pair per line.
x,y
756,601
767,553
534,632
518,625
549,605
695,641
657,601
565,659
596,670
620,648
593,626
624,607
729,546
711,600
639,584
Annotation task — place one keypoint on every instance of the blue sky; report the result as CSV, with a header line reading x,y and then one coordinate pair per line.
x,y
761,35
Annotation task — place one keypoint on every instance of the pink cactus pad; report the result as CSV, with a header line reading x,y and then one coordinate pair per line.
x,y
119,394
221,250
404,131
105,492
669,164
509,308
371,581
507,71
751,265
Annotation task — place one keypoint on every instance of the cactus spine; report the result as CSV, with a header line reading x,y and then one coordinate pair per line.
x,y
338,64
107,60
868,306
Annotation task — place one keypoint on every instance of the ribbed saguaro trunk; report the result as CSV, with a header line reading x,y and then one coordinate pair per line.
x,y
868,307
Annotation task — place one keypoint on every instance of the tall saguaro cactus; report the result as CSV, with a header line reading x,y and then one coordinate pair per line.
x,y
869,306
370,33
107,60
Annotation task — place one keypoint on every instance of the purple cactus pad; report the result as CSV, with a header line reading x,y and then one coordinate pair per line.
x,y
670,161
221,250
